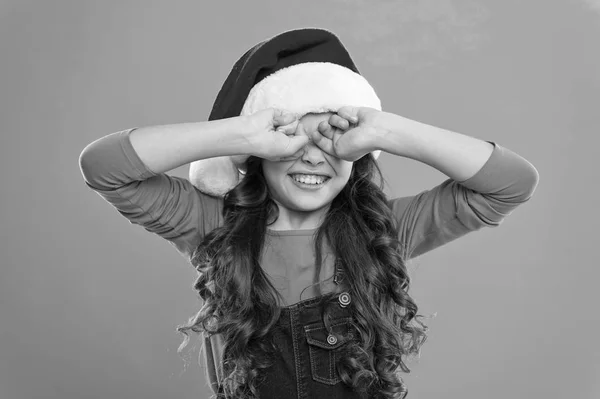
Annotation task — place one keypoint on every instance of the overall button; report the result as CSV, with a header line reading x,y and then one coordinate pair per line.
x,y
344,299
331,339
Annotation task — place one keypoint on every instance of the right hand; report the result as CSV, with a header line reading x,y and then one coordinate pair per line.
x,y
272,134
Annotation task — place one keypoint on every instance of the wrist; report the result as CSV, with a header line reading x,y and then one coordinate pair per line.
x,y
245,143
393,135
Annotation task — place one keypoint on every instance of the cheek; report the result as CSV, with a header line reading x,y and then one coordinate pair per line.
x,y
274,176
271,169
345,170
342,182
273,181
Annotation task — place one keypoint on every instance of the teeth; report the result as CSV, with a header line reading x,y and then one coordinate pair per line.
x,y
309,179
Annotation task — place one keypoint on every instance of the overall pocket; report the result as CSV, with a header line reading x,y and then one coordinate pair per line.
x,y
324,348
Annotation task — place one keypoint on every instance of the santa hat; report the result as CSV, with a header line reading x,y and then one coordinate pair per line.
x,y
302,71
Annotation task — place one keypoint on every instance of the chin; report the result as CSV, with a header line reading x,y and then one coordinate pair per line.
x,y
311,207
307,203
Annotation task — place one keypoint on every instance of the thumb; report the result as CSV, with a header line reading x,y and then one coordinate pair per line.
x,y
283,117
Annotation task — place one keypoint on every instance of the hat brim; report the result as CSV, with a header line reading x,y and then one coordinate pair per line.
x,y
311,87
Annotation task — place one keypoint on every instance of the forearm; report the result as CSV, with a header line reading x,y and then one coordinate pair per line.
x,y
456,155
166,147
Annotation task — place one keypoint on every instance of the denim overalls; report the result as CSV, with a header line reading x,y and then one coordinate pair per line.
x,y
305,366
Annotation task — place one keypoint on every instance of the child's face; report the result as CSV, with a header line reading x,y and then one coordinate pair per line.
x,y
298,196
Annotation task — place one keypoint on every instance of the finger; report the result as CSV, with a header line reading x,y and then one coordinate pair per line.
x,y
295,144
322,142
339,122
288,129
325,129
293,148
283,117
301,131
349,113
294,156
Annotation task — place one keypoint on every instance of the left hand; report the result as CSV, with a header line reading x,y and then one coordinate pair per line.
x,y
349,134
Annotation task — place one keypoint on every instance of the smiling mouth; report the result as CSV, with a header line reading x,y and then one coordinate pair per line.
x,y
310,183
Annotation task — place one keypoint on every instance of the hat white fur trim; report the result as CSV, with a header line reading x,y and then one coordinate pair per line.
x,y
311,87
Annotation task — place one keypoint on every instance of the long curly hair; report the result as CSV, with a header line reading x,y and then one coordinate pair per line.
x,y
240,303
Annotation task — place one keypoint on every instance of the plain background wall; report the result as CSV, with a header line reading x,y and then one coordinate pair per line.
x,y
89,303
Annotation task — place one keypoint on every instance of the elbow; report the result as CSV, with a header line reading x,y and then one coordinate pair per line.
x,y
529,181
86,162
520,190
105,164
93,166
500,208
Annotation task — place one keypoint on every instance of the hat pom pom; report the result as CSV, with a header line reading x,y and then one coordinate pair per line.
x,y
214,176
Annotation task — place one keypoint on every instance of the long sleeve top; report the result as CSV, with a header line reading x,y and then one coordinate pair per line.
x,y
174,209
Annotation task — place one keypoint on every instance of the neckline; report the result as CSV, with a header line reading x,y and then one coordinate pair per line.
x,y
297,232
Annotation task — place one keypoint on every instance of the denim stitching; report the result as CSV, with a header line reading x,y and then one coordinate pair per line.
x,y
294,330
331,366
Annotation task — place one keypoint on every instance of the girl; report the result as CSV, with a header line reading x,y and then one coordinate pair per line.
x,y
301,257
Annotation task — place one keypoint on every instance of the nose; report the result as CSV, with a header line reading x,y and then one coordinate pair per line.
x,y
312,154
